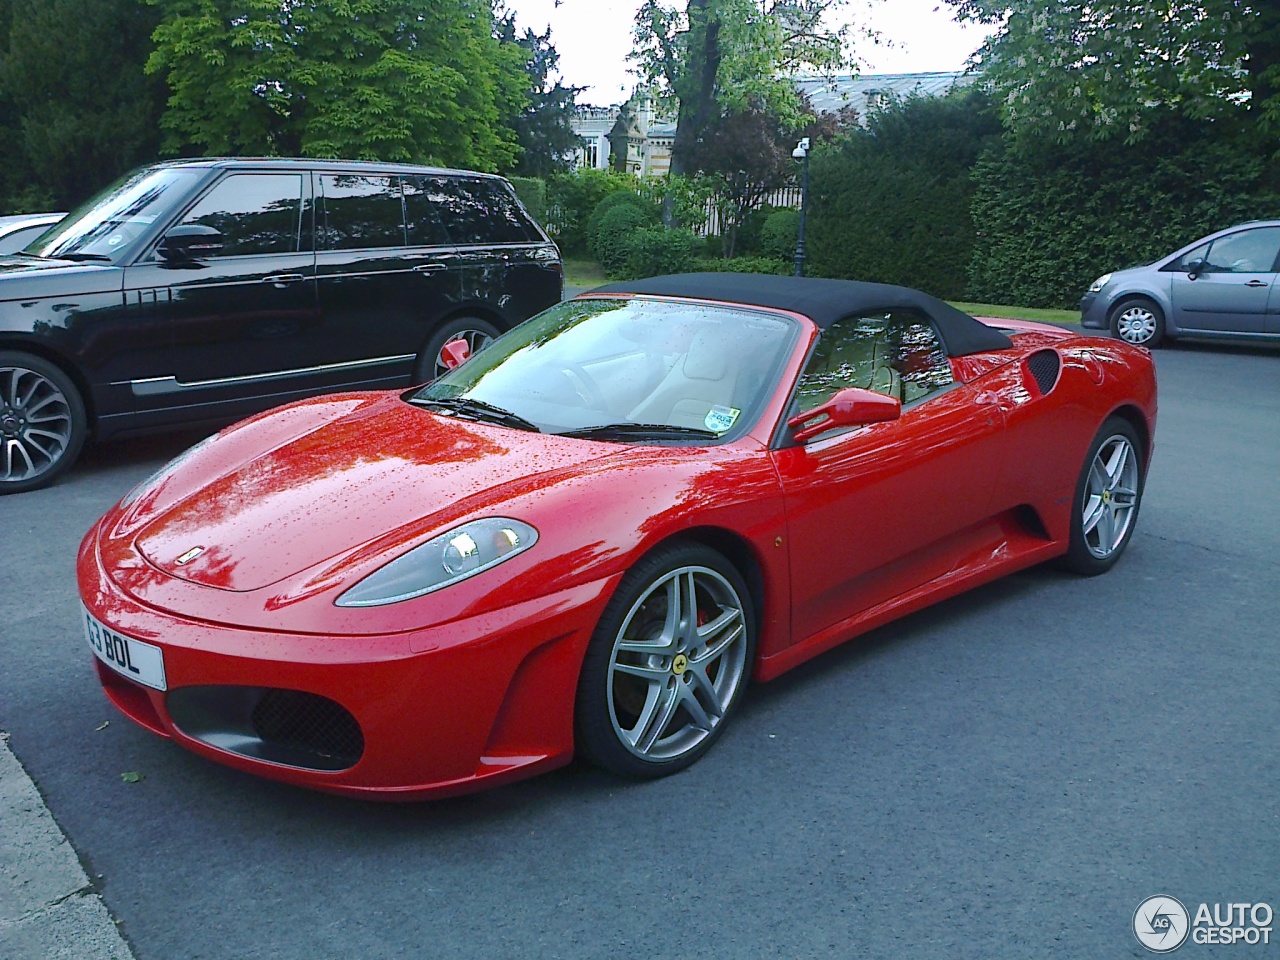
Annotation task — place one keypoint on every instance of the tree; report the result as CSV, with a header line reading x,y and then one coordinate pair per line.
x,y
544,126
66,132
374,79
719,55
749,154
1106,68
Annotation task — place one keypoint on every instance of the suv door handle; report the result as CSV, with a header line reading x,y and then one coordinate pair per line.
x,y
429,268
1257,283
283,279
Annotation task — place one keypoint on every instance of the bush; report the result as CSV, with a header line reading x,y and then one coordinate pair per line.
x,y
778,234
622,198
532,192
653,251
614,229
571,198
768,265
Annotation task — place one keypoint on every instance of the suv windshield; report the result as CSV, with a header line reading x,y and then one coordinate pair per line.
x,y
626,370
109,226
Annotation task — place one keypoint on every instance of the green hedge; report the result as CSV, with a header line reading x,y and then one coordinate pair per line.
x,y
532,192
614,232
890,203
653,251
571,198
1051,224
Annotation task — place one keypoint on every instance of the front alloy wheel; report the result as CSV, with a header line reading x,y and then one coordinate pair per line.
x,y
42,422
669,661
1108,495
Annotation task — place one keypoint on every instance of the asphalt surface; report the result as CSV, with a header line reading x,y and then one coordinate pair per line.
x,y
1007,774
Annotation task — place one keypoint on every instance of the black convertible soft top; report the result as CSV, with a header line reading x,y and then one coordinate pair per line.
x,y
822,301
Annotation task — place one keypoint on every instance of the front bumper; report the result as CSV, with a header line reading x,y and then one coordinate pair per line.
x,y
1093,311
449,709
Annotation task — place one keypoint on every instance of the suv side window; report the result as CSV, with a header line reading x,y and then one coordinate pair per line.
x,y
897,353
1249,251
360,212
424,198
256,213
480,212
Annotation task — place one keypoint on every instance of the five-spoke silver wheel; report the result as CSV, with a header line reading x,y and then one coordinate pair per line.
x,y
677,662
668,662
41,422
1108,495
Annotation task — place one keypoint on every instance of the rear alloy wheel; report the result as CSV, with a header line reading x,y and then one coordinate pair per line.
x,y
1108,495
1138,321
476,332
42,422
667,664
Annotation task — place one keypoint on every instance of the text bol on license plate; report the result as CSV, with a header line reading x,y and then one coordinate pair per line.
x,y
140,662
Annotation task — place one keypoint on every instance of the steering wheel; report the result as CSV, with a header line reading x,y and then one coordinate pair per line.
x,y
584,385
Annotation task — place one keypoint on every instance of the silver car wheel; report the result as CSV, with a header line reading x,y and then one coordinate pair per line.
x,y
1110,497
35,424
1136,324
476,341
678,660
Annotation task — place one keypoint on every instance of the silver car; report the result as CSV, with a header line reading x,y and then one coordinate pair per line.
x,y
17,230
1223,285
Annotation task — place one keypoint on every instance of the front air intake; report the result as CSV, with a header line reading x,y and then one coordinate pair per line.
x,y
1044,367
289,727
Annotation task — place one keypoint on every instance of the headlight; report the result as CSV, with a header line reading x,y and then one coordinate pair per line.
x,y
444,560
1098,284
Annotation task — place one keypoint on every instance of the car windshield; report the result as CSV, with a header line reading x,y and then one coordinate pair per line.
x,y
631,370
109,225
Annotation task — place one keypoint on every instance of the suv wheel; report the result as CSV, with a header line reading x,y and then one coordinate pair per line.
x,y
42,422
475,331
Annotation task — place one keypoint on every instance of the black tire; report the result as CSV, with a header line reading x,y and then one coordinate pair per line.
x,y
1105,511
42,422
653,711
475,331
1137,320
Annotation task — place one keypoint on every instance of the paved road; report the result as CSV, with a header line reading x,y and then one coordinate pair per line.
x,y
1005,775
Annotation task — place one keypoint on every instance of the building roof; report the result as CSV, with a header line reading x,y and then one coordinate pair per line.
x,y
829,94
822,301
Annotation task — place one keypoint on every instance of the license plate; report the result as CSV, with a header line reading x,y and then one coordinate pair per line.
x,y
140,662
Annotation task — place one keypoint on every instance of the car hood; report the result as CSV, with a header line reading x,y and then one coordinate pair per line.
x,y
382,468
26,278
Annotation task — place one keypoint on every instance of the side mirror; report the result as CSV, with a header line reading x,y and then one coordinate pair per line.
x,y
191,241
1195,268
455,353
850,407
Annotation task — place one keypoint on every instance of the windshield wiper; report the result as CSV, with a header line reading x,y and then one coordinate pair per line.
x,y
478,410
82,256
640,431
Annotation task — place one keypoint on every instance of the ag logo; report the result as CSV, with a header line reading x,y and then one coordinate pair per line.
x,y
1161,924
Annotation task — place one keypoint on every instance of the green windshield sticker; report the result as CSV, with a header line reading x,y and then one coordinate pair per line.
x,y
721,418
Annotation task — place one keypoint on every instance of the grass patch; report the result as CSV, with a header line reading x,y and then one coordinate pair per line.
x,y
1007,312
583,273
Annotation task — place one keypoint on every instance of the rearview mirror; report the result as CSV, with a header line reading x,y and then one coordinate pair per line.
x,y
191,241
455,353
850,407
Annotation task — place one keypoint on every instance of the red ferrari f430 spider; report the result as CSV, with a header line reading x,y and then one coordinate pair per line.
x,y
592,534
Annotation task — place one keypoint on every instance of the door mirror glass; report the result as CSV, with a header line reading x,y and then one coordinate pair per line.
x,y
1195,267
850,407
190,241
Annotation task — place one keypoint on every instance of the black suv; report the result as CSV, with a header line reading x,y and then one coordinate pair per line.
x,y
202,291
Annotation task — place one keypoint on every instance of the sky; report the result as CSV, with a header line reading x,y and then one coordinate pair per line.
x,y
593,38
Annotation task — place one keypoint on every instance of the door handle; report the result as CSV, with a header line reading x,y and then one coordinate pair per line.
x,y
1257,283
429,268
283,279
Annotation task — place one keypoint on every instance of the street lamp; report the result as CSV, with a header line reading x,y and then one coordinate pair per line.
x,y
801,153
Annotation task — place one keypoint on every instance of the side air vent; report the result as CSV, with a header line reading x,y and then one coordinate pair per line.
x,y
1044,366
